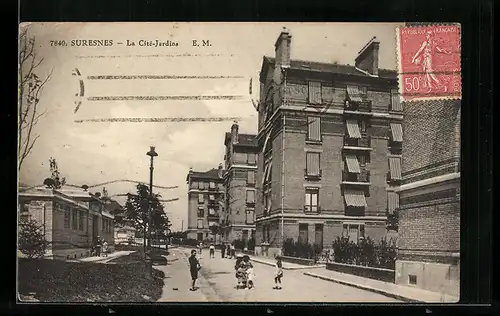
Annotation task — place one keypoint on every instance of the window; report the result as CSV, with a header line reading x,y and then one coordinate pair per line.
x,y
303,233
250,215
354,232
25,212
67,215
318,234
412,279
311,202
250,177
211,197
395,101
362,160
80,220
200,223
250,197
251,159
201,211
212,185
315,92
74,218
211,211
194,185
206,185
362,126
313,128
312,164
363,91
201,199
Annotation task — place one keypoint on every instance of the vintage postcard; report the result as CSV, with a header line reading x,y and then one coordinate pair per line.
x,y
238,162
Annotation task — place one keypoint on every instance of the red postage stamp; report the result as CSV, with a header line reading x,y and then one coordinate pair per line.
x,y
429,62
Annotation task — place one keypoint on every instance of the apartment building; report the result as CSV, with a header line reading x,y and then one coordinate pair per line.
x,y
429,219
240,158
205,202
330,140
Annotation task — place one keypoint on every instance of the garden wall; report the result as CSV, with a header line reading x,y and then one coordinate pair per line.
x,y
380,274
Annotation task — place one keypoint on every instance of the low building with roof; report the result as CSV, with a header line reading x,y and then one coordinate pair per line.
x,y
72,219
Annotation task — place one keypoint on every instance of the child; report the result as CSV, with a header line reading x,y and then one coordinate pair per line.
x,y
249,271
279,273
105,248
212,251
194,267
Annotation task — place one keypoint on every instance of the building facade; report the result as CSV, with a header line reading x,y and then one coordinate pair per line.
x,y
205,203
238,218
71,220
429,217
330,149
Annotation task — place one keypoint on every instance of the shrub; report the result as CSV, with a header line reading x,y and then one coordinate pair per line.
x,y
32,242
191,242
300,250
366,252
251,244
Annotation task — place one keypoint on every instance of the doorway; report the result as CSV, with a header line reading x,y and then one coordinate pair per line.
x,y
318,236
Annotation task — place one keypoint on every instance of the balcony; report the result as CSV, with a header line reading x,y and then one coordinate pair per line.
x,y
310,176
362,178
365,106
212,214
363,143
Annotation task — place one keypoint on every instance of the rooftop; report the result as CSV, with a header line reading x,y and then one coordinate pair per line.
x,y
243,139
212,174
326,68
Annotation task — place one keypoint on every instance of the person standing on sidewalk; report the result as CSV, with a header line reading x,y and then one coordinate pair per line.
x,y
279,273
212,251
194,267
200,247
233,250
223,250
104,248
98,246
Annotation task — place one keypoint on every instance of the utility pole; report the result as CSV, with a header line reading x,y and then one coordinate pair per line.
x,y
182,226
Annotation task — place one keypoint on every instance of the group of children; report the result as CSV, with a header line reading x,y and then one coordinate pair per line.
x,y
244,271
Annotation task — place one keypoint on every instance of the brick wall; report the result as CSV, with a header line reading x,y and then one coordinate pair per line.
x,y
429,134
434,227
378,166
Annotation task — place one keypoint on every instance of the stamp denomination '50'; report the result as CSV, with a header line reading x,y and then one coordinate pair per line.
x,y
429,62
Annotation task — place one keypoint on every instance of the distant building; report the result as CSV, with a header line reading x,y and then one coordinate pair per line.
x,y
238,219
330,140
71,220
205,202
429,217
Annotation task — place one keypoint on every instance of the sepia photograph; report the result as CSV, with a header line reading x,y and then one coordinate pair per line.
x,y
238,162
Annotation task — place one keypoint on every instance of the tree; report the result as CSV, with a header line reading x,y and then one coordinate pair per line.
x,y
55,181
137,212
215,229
31,242
30,88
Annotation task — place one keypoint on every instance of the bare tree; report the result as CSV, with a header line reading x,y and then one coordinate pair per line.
x,y
30,87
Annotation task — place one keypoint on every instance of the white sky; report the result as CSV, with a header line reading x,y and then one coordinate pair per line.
x,y
92,153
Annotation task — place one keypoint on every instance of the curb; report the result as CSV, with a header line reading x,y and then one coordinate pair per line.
x,y
364,287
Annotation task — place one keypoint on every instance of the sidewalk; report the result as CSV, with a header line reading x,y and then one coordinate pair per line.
x,y
110,256
399,292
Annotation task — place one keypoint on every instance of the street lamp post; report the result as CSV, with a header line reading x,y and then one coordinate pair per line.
x,y
151,153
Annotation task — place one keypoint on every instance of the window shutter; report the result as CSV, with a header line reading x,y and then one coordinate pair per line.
x,y
251,158
251,177
312,164
200,198
314,128
314,92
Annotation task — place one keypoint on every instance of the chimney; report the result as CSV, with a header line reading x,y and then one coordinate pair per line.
x,y
190,170
220,170
367,59
234,133
282,49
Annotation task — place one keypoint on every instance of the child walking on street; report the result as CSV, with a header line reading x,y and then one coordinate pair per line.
x,y
279,273
212,251
194,267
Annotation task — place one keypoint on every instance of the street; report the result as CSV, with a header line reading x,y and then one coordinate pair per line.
x,y
217,283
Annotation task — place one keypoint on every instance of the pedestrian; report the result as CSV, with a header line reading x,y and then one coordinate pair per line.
x,y
223,250
233,250
98,247
212,251
228,251
249,271
200,247
105,248
279,273
194,267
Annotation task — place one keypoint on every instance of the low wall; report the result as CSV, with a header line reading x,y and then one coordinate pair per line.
x,y
380,274
302,261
